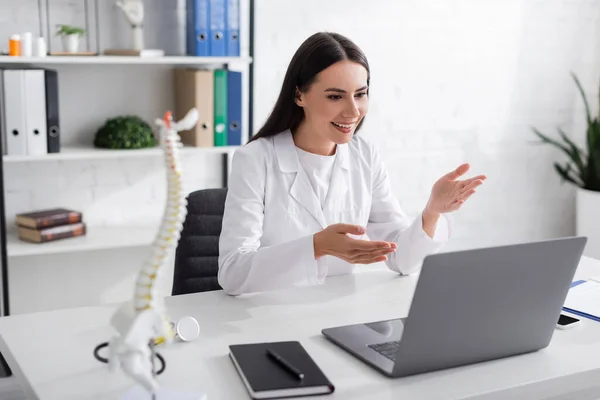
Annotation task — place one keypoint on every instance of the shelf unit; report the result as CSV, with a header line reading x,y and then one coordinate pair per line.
x,y
96,238
107,237
91,153
122,60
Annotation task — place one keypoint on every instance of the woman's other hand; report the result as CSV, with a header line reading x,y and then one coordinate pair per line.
x,y
449,194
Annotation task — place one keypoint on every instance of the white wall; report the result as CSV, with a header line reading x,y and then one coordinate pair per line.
x,y
455,81
452,81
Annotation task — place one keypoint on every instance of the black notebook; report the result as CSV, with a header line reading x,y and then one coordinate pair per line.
x,y
278,369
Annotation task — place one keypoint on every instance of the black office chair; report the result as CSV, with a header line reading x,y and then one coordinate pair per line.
x,y
197,253
5,370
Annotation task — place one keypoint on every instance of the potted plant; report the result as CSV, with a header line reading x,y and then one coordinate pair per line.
x,y
125,132
582,170
70,37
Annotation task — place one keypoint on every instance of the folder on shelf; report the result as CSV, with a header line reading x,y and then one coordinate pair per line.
x,y
217,22
52,111
234,108
35,112
197,29
220,106
195,88
14,111
583,299
232,28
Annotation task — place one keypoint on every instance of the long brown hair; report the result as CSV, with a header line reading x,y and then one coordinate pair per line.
x,y
317,53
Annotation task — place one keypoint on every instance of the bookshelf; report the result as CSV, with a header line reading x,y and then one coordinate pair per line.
x,y
99,237
92,153
96,238
121,60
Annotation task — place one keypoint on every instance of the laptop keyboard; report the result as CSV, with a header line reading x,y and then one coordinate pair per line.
x,y
387,349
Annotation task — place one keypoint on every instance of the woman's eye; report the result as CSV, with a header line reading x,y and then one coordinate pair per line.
x,y
337,97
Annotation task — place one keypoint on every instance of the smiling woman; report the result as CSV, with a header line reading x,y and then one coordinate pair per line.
x,y
333,107
308,198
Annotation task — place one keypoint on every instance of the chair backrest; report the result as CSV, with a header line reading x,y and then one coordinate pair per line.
x,y
197,253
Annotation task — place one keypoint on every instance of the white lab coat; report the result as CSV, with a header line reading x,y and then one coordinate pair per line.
x,y
272,213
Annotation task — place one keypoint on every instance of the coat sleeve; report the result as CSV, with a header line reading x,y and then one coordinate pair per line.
x,y
387,221
244,264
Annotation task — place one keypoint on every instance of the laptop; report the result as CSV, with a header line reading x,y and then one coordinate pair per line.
x,y
471,306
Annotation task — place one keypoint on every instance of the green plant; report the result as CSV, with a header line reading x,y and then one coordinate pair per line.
x,y
583,167
64,30
125,132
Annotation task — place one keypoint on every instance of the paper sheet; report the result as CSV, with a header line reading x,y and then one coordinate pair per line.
x,y
585,298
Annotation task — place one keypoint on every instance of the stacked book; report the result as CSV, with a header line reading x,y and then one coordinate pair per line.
x,y
49,225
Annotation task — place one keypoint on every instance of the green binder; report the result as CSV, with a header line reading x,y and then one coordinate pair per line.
x,y
220,107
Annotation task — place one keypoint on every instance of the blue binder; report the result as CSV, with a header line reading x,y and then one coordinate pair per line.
x,y
234,108
232,29
197,28
217,22
581,314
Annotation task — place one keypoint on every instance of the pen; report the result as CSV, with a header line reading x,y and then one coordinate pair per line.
x,y
285,364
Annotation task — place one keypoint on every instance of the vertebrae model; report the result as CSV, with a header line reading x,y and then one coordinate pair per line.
x,y
143,322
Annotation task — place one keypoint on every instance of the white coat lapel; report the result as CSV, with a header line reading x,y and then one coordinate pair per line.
x,y
301,190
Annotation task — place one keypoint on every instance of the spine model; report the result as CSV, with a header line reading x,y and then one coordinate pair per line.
x,y
146,289
143,323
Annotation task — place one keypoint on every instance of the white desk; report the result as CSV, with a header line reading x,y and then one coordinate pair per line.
x,y
52,351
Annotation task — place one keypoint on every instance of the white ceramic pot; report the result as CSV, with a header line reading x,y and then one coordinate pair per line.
x,y
71,43
588,220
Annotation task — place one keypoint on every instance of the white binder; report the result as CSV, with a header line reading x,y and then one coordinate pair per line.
x,y
14,112
35,112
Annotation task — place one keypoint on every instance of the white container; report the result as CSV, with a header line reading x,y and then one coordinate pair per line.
x,y
26,44
588,220
40,47
71,43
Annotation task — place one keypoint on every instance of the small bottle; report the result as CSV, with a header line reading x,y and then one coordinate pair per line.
x,y
40,48
26,44
14,45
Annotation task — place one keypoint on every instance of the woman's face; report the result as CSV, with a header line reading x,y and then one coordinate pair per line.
x,y
336,102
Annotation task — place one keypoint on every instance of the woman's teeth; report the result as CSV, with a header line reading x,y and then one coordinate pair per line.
x,y
342,126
